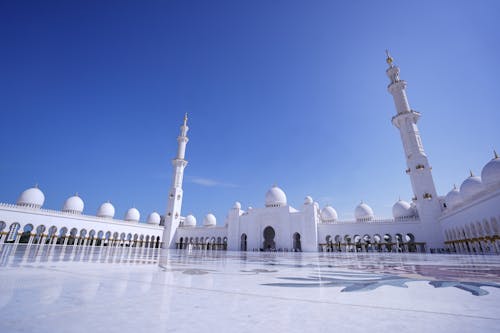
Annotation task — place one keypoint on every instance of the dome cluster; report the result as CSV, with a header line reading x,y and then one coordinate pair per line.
x,y
473,185
403,210
34,198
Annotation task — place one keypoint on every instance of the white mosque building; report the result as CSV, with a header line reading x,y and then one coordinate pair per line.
x,y
463,221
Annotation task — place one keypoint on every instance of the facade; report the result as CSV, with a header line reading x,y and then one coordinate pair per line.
x,y
463,221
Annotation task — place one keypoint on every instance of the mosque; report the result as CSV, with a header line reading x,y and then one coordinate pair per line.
x,y
463,221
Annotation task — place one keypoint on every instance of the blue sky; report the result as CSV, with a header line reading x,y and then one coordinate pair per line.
x,y
294,93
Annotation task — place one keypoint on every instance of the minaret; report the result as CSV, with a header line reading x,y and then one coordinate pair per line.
x,y
173,214
418,167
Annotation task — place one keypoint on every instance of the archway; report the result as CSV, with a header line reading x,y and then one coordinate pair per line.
x,y
297,247
269,243
243,244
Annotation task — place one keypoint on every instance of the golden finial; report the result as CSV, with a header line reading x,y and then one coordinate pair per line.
x,y
495,154
389,59
185,118
454,186
471,174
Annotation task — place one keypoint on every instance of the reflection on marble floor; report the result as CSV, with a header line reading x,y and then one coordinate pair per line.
x,y
115,289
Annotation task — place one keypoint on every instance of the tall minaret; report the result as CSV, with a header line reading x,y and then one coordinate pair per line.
x,y
418,167
173,214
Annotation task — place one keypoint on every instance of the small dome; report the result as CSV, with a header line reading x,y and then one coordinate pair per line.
x,y
237,205
491,171
402,209
154,218
250,208
32,197
328,214
190,221
363,212
209,220
275,197
308,200
471,186
106,210
132,215
453,198
73,205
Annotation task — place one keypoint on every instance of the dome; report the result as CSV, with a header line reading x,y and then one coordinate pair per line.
x,y
190,221
132,215
308,200
471,186
275,197
328,214
491,171
237,205
154,218
32,197
73,205
209,220
402,209
363,212
453,198
106,210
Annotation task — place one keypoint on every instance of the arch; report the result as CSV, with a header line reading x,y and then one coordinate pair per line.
x,y
243,242
377,239
328,239
181,243
2,225
338,239
410,238
72,236
12,234
50,234
39,234
25,236
297,246
269,234
157,245
224,243
357,239
62,235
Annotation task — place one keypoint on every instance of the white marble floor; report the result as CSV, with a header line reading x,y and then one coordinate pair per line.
x,y
84,289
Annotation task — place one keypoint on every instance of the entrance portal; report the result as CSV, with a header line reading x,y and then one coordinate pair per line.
x,y
269,244
296,242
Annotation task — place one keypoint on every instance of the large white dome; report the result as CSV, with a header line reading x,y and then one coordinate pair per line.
x,y
491,171
106,210
132,215
402,209
471,186
363,212
328,214
275,197
453,198
209,220
73,204
154,218
190,221
32,197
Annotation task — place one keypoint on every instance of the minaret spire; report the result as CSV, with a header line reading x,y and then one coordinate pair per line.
x,y
173,214
419,170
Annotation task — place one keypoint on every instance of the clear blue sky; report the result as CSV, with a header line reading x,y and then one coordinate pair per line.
x,y
92,94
